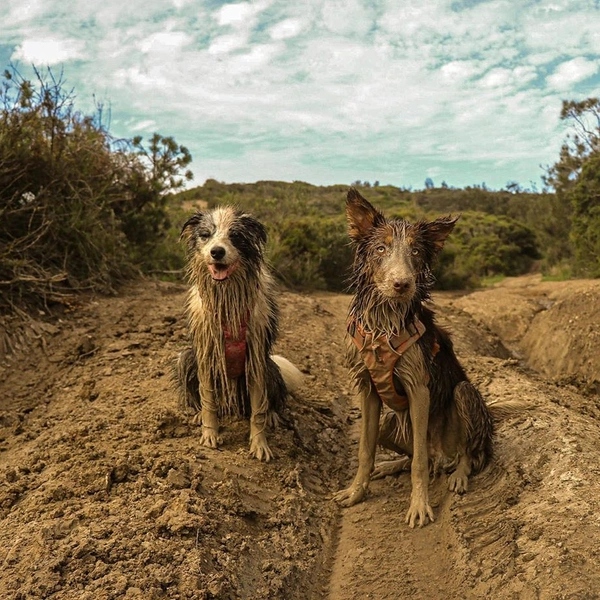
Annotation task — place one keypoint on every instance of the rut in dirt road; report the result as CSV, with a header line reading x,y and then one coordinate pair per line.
x,y
527,528
106,494
105,491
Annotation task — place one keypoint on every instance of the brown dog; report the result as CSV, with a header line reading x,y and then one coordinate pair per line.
x,y
400,358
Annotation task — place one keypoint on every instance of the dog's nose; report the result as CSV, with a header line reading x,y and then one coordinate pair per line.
x,y
218,252
402,285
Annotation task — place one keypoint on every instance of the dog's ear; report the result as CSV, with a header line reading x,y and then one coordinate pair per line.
x,y
255,228
437,231
361,214
189,226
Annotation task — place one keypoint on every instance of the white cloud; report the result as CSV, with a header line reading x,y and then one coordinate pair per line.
x,y
17,12
508,79
497,78
525,74
458,71
568,28
286,29
48,50
234,14
164,39
147,125
569,73
338,89
142,80
257,57
240,14
346,17
228,43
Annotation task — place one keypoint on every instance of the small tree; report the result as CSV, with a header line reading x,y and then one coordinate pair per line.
x,y
165,160
78,209
581,143
585,230
574,212
153,173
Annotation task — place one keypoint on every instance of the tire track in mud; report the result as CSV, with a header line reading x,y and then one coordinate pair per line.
x,y
509,536
105,493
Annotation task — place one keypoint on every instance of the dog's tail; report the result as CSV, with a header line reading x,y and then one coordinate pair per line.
x,y
292,376
507,408
186,379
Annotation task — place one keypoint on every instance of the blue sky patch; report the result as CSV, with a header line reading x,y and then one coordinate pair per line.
x,y
329,91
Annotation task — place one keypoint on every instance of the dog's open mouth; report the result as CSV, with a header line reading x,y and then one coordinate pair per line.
x,y
220,272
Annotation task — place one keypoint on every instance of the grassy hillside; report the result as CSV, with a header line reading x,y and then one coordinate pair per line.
x,y
83,211
308,244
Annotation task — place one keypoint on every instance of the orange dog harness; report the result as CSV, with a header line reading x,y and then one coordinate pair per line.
x,y
235,350
380,355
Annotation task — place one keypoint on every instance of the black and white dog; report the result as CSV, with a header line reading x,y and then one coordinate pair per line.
x,y
232,315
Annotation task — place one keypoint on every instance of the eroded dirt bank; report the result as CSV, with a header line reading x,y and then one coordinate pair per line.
x,y
553,326
105,493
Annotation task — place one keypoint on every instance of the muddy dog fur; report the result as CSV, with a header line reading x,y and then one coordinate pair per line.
x,y
447,424
228,370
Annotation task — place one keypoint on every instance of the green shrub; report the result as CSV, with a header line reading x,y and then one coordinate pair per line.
x,y
585,227
483,246
312,253
78,211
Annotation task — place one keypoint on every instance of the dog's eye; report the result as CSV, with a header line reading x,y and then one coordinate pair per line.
x,y
415,251
236,237
381,249
204,234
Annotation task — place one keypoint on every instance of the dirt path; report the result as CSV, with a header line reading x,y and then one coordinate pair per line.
x,y
105,493
529,525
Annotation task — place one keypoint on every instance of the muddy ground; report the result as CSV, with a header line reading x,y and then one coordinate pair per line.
x,y
105,492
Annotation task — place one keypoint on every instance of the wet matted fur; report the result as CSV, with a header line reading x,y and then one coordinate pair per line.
x,y
447,424
231,296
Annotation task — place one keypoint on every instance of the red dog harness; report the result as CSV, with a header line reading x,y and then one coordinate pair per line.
x,y
235,350
380,355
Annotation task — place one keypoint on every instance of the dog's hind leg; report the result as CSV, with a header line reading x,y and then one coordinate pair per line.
x,y
472,432
276,391
391,467
394,435
186,375
458,480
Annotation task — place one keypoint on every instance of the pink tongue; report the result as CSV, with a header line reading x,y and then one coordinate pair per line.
x,y
218,274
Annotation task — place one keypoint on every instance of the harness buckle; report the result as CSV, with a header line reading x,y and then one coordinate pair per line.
x,y
376,347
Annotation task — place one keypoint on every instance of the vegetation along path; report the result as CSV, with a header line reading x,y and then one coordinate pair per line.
x,y
105,492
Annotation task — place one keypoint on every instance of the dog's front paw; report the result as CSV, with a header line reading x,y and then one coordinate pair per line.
x,y
350,496
260,449
419,512
210,437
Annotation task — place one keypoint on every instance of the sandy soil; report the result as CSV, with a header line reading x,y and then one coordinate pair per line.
x,y
105,492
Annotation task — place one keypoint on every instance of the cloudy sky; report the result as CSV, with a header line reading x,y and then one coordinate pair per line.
x,y
326,91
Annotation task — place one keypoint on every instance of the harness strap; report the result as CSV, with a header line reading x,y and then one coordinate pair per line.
x,y
235,349
380,355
